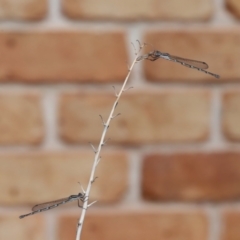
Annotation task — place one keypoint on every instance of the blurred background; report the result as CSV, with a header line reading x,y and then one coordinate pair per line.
x,y
171,169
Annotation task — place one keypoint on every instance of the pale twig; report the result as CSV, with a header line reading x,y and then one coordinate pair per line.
x,y
90,204
97,152
94,149
115,91
82,188
116,115
135,50
127,89
102,120
104,143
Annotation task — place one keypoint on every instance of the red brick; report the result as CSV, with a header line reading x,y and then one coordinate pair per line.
x,y
146,116
192,177
138,225
132,10
45,176
63,56
219,48
20,119
23,9
231,225
231,115
234,7
13,228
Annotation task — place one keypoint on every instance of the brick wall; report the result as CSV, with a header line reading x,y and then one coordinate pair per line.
x,y
172,168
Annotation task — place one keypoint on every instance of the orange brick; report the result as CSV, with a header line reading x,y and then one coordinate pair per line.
x,y
234,7
23,9
63,56
219,48
231,225
20,119
146,116
231,115
132,10
12,228
192,176
138,225
45,176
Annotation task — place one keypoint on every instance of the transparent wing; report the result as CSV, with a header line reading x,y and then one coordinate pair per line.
x,y
195,63
47,204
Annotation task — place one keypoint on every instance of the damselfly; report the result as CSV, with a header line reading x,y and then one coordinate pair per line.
x,y
49,205
198,65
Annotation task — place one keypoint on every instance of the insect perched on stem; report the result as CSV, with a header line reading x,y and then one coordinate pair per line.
x,y
198,65
49,205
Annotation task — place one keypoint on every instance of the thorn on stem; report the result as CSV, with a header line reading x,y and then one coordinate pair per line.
x,y
82,188
115,115
127,89
135,51
94,149
104,124
115,91
139,45
94,180
106,141
89,205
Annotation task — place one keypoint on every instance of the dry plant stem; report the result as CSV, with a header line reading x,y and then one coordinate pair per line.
x,y
97,153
